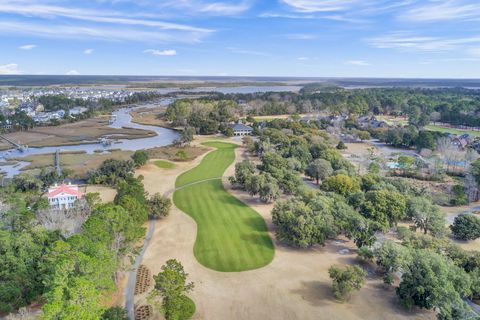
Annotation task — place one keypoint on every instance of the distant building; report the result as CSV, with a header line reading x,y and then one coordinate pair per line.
x,y
77,110
63,196
44,117
239,129
371,122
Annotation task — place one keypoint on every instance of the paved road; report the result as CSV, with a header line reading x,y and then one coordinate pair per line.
x,y
132,275
470,210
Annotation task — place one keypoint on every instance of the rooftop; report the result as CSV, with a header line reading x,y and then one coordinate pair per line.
x,y
69,189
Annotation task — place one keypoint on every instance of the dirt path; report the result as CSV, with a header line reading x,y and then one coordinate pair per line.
x,y
452,212
295,285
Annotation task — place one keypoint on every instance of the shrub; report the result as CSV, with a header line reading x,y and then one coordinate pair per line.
x,y
466,227
140,158
159,206
460,199
341,146
346,280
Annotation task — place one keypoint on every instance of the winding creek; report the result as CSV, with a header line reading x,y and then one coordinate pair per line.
x,y
163,137
123,118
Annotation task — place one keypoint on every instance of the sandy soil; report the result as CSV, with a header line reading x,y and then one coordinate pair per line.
x,y
74,133
358,154
451,213
294,286
106,194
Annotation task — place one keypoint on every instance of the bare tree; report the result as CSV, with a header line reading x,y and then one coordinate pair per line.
x,y
471,187
67,221
448,152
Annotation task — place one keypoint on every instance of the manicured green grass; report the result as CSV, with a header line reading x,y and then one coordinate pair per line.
x,y
231,236
212,166
432,127
164,164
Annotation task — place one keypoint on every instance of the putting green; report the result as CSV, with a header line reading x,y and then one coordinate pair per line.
x,y
212,166
231,236
164,164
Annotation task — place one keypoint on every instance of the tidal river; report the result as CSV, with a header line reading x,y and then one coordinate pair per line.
x,y
123,119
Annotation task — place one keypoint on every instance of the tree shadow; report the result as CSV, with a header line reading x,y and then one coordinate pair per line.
x,y
316,293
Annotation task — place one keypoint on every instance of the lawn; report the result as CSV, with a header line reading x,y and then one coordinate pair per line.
x,y
443,129
213,165
231,236
164,164
393,121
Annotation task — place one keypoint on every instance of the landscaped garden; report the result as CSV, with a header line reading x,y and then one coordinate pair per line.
x,y
230,235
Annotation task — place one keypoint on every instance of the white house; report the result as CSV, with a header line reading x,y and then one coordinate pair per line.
x,y
63,196
240,129
77,110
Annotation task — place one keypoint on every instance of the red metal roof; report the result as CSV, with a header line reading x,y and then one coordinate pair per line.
x,y
71,190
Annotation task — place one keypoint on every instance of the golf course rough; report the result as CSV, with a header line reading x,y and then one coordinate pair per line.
x,y
231,236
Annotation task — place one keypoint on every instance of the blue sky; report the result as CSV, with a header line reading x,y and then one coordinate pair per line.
x,y
315,38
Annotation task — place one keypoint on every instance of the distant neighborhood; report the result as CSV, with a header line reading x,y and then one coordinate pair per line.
x,y
16,104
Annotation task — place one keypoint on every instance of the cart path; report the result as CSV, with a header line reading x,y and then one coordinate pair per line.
x,y
132,275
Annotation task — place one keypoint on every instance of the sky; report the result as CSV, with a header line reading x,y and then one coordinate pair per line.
x,y
297,38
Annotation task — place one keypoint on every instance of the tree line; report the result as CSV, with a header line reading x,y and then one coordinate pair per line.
x,y
457,106
70,275
361,207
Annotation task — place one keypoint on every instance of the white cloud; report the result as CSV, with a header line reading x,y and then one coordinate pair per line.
x,y
474,52
27,47
432,61
351,11
99,24
220,8
285,15
90,15
192,7
88,51
167,52
301,36
72,73
98,32
360,63
247,51
409,42
320,6
454,10
303,58
11,68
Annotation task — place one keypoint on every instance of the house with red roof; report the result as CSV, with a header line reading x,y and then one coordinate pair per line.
x,y
63,196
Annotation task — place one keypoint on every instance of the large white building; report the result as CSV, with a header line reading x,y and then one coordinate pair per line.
x,y
63,196
239,129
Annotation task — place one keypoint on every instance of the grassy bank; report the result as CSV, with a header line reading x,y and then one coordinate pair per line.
x,y
86,131
79,162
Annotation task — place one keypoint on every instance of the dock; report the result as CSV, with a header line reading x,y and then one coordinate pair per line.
x,y
13,143
58,168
